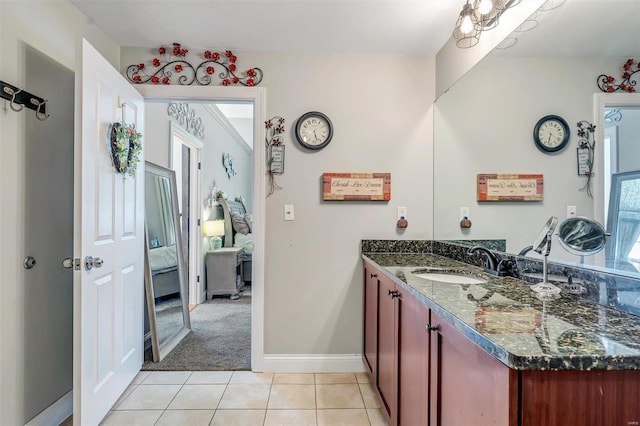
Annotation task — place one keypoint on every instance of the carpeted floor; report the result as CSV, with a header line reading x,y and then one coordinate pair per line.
x,y
220,338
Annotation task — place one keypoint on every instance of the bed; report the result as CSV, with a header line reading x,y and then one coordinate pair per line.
x,y
237,233
164,270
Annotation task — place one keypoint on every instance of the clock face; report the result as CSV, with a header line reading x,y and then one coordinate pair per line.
x,y
551,133
314,130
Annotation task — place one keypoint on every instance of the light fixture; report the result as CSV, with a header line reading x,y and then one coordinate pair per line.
x,y
482,16
214,229
466,33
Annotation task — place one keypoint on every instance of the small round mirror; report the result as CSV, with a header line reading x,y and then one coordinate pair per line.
x,y
581,236
540,244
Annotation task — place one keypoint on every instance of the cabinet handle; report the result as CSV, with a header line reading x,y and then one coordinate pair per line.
x,y
393,293
373,275
430,327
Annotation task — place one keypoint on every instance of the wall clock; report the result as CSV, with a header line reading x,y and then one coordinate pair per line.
x,y
314,130
551,133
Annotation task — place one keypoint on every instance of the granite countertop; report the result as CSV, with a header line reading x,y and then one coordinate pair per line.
x,y
505,318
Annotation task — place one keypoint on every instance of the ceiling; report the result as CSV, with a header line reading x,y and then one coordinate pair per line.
x,y
416,27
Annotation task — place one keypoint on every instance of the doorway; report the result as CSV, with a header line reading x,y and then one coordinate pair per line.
x,y
221,336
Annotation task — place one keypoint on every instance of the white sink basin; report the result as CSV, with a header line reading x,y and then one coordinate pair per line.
x,y
451,278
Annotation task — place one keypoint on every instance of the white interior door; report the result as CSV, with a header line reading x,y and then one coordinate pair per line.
x,y
109,225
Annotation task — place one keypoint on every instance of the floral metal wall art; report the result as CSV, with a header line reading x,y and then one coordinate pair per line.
x,y
586,149
606,83
274,143
171,63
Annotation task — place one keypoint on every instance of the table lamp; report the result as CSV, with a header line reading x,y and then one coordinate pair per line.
x,y
214,229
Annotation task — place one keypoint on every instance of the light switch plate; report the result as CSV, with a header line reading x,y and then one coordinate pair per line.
x,y
464,212
289,213
571,211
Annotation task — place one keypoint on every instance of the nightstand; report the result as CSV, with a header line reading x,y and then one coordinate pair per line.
x,y
223,269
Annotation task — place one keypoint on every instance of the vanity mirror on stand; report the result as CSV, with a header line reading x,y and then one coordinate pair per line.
x,y
165,283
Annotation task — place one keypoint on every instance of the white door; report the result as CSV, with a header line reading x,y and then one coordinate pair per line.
x,y
109,225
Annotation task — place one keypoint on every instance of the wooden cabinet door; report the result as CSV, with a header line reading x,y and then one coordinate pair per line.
x,y
370,344
468,386
387,363
413,360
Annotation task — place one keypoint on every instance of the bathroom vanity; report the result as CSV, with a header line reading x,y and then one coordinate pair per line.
x,y
488,352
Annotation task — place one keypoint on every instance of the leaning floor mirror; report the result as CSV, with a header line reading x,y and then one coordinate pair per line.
x,y
165,283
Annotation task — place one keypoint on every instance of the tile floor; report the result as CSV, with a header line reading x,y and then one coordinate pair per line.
x,y
244,398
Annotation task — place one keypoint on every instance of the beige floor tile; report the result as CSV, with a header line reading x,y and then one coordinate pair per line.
x,y
363,378
132,418
149,397
292,397
335,378
294,379
290,418
369,396
376,417
140,377
209,378
245,397
238,418
338,396
166,378
185,418
124,395
343,418
249,377
197,397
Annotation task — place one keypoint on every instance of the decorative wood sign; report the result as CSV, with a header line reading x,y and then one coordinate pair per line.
x,y
356,186
517,187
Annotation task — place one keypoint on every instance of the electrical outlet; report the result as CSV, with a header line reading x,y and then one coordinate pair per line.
x,y
402,212
464,212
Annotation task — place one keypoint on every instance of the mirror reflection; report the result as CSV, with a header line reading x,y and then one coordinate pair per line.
x,y
484,125
165,284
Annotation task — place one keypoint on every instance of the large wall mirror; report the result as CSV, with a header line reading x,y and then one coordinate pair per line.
x,y
485,122
165,281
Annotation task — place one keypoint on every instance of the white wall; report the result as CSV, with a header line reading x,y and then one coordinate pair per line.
x,y
484,124
381,108
53,28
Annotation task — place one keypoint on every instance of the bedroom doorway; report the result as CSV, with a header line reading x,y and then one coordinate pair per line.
x,y
222,325
185,160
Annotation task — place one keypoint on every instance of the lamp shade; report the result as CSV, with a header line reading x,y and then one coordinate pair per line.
x,y
213,228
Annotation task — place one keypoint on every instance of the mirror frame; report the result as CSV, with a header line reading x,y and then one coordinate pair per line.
x,y
160,350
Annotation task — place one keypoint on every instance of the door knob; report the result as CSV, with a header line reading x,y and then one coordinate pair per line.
x,y
91,262
29,262
67,263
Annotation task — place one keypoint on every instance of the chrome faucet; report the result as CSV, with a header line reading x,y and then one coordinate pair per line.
x,y
493,264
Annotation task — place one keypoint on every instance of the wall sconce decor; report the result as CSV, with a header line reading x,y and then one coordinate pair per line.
x,y
275,150
482,15
585,153
606,83
174,60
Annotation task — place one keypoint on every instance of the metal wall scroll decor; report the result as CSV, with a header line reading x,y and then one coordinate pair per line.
x,y
172,63
18,99
229,165
585,153
606,83
275,151
186,117
124,144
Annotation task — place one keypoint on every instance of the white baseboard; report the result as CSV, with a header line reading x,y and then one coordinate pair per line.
x,y
56,413
287,363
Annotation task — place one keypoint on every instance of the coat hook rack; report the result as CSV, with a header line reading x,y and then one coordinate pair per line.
x,y
20,98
